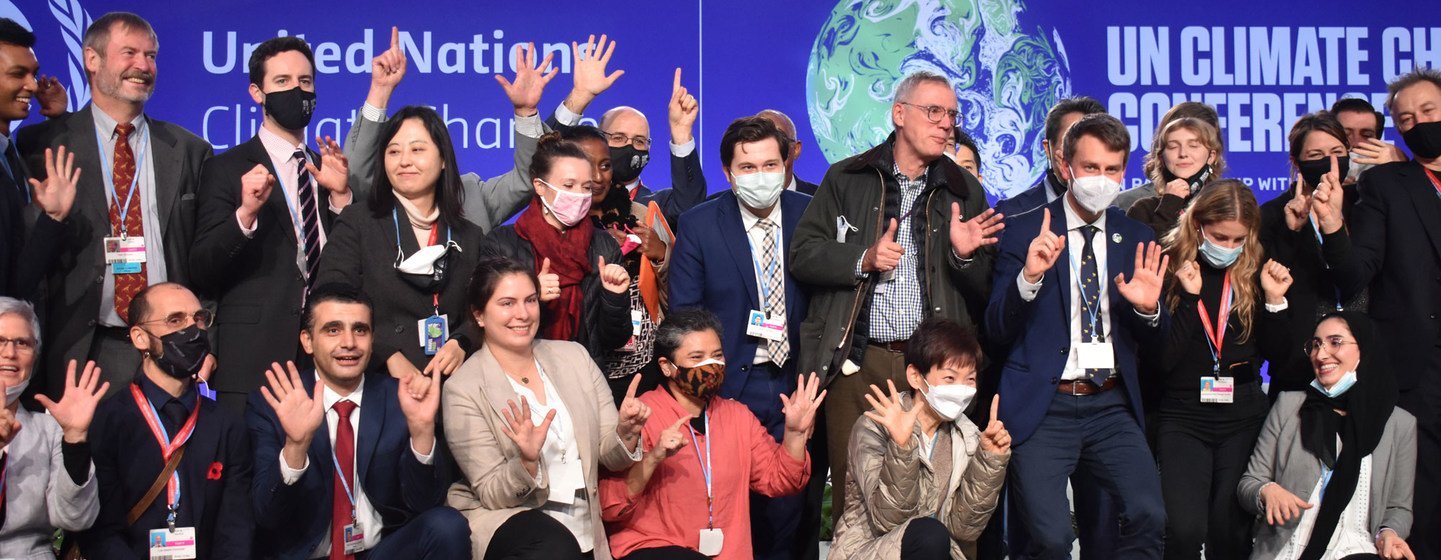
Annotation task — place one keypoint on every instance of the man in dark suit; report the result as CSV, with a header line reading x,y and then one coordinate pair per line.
x,y
788,128
160,417
136,192
387,481
729,258
1079,406
1394,247
1058,120
265,210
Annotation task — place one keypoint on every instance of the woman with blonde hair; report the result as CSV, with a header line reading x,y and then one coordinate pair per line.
x,y
1211,406
1185,156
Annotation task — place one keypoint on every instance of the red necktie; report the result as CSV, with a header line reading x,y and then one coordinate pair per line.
x,y
123,174
341,511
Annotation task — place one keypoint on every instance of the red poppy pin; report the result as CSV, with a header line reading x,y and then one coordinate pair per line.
x,y
215,470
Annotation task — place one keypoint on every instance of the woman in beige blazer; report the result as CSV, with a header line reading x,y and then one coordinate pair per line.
x,y
530,422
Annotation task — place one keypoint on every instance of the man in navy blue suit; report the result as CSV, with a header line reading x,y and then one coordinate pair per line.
x,y
202,509
1058,120
729,258
1073,306
378,490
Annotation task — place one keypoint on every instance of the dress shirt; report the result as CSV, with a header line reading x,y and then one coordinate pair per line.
x,y
560,462
155,271
282,158
897,306
1352,534
757,238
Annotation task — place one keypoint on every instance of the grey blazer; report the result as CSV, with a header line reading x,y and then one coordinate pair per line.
x,y
1280,458
488,202
40,497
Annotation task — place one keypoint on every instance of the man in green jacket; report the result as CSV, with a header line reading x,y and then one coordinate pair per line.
x,y
893,236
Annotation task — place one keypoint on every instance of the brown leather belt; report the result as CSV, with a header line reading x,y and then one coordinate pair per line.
x,y
898,346
1082,387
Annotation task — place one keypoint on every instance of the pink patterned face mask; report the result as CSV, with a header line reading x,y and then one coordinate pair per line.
x,y
568,207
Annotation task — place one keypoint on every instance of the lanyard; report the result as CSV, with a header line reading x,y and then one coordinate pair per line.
x,y
345,484
1434,181
705,470
1094,314
168,445
763,275
1216,336
434,236
109,179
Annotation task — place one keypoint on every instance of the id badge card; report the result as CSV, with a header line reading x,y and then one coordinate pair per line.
x,y
172,544
636,320
1218,390
354,538
1095,355
711,541
769,328
124,254
434,331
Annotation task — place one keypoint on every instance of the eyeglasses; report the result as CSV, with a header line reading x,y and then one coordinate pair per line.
x,y
1333,344
621,139
22,345
934,113
179,320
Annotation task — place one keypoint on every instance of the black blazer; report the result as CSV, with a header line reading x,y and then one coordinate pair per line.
x,y
73,287
1394,248
254,280
214,480
292,520
28,240
361,253
806,187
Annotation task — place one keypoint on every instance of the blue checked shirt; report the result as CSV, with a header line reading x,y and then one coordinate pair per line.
x,y
896,306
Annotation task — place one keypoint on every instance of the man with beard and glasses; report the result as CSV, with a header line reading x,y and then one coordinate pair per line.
x,y
173,467
132,221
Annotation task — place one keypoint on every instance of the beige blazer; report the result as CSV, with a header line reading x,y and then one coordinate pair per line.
x,y
494,485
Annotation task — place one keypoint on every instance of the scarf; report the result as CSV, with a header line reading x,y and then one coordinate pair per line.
x,y
419,225
569,254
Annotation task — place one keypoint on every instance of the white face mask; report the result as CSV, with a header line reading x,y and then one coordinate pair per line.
x,y
759,190
423,261
1339,388
1094,193
949,401
12,393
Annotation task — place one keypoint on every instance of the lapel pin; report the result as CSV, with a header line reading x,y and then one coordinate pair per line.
x,y
1115,238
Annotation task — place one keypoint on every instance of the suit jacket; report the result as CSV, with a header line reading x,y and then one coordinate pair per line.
x,y
254,280
494,485
1130,197
73,288
214,480
291,520
1280,458
1394,248
1038,332
806,187
40,496
1029,199
713,267
28,240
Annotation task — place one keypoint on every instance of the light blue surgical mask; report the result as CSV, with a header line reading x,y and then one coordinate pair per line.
x,y
1218,256
1339,388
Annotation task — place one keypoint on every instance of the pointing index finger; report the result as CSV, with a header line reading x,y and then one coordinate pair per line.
x,y
1045,220
634,384
676,87
995,408
394,37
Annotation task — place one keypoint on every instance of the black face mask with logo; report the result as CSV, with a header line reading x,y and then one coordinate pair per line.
x,y
626,163
291,108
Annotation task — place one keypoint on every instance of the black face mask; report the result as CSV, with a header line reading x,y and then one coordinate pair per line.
x,y
627,162
1195,182
291,108
182,352
1424,139
1313,170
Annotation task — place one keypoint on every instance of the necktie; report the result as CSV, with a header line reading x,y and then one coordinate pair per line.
x,y
1091,294
173,414
17,171
342,512
122,174
775,303
309,219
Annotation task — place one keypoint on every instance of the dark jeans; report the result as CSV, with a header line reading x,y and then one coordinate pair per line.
x,y
926,538
532,535
1097,433
437,534
666,553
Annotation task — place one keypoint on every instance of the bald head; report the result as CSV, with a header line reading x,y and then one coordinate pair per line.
x,y
625,120
788,128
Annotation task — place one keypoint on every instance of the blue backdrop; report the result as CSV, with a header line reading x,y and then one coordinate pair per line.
x,y
831,65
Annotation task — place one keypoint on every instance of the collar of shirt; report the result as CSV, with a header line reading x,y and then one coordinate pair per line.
x,y
106,125
1054,188
278,148
330,397
793,184
749,219
4,143
631,186
669,401
158,397
1074,220
903,179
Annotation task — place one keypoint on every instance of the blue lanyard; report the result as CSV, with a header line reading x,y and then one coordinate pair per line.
x,y
705,469
395,217
1325,481
345,484
1319,242
1094,314
763,275
109,179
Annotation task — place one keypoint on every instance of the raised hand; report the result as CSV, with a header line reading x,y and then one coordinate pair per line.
x,y
800,408
334,171
885,254
1375,151
670,442
1298,210
77,404
1178,187
419,412
979,231
1189,276
549,282
446,360
633,414
56,196
51,96
386,71
996,440
255,187
1327,199
1391,546
683,111
888,412
530,81
300,414
1144,288
1275,281
588,76
1044,250
613,277
528,436
1281,505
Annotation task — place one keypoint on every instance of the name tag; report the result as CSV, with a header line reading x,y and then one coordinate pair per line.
x,y
172,544
1218,390
565,483
711,541
434,331
124,255
354,538
769,328
1095,355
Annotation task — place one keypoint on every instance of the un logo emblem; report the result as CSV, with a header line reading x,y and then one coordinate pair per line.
x,y
71,20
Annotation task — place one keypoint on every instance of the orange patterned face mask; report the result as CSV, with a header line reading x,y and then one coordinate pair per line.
x,y
701,381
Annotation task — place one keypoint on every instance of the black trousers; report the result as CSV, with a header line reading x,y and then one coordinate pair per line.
x,y
1424,402
532,535
666,553
926,538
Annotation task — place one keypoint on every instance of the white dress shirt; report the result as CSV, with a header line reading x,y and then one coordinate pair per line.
x,y
155,270
757,237
287,173
1352,534
560,463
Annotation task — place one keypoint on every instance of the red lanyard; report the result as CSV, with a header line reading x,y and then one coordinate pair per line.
x,y
434,237
1216,336
1434,181
168,446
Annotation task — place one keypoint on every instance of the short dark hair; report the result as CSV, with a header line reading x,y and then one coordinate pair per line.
x,y
1358,105
940,341
552,147
678,324
13,34
963,139
140,304
487,275
1083,105
1320,121
97,36
1420,74
1103,127
333,292
747,130
272,47
449,192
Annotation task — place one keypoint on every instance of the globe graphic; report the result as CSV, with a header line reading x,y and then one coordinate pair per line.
x,y
1005,77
